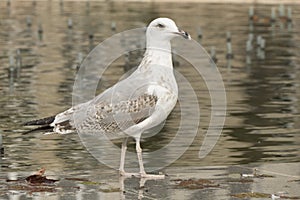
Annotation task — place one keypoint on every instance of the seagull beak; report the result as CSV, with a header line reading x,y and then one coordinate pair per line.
x,y
184,34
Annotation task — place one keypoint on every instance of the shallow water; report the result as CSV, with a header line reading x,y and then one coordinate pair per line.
x,y
262,121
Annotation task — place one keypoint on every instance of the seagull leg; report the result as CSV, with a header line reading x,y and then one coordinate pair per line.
x,y
139,155
123,154
122,161
143,174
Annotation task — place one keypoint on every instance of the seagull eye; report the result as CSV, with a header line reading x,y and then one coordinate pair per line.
x,y
160,26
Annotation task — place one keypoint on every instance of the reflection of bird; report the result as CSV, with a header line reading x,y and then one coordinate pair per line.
x,y
140,102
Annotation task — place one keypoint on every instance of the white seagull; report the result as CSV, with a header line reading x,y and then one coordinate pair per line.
x,y
134,105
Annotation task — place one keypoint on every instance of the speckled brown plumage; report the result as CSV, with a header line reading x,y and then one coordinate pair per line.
x,y
106,117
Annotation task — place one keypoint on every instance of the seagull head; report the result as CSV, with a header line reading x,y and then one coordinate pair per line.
x,y
164,29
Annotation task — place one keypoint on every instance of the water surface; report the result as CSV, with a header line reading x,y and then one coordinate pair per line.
x,y
262,121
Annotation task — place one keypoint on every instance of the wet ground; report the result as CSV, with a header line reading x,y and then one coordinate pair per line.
x,y
262,86
219,182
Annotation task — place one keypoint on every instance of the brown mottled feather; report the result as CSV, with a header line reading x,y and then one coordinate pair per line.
x,y
105,115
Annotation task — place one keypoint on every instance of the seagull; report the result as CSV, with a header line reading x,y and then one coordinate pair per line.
x,y
135,104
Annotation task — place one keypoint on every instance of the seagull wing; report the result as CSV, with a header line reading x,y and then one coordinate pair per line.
x,y
116,109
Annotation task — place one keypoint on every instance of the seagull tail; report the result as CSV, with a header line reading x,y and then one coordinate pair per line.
x,y
44,124
39,122
45,128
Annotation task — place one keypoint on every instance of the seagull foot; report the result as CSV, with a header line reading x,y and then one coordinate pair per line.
x,y
142,175
152,176
128,175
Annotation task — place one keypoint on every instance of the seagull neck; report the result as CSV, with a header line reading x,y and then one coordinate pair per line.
x,y
159,54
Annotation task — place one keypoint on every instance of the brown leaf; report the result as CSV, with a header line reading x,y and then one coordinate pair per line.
x,y
39,178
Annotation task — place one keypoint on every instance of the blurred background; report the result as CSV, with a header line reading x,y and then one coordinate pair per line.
x,y
255,46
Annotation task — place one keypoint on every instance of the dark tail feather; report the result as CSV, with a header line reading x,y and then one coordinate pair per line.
x,y
42,128
44,121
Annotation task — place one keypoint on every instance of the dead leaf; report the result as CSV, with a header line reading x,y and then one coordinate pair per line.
x,y
39,178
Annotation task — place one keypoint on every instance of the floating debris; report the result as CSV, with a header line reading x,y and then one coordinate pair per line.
x,y
11,63
251,195
79,60
195,183
261,43
289,197
39,178
34,183
12,176
213,54
274,196
256,175
249,49
229,54
264,176
249,46
77,179
18,63
199,33
113,26
70,23
247,175
84,181
28,22
228,36
91,39
283,195
245,195
91,35
40,32
18,58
